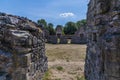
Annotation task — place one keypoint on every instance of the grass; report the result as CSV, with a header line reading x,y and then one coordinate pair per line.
x,y
60,68
47,75
72,72
65,61
68,52
58,79
80,78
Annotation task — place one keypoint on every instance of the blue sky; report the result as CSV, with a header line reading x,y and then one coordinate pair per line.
x,y
53,11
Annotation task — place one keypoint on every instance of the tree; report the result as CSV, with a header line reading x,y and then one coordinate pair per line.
x,y
81,23
51,29
42,22
70,28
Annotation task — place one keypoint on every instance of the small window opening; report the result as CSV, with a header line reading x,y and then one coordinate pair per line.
x,y
95,37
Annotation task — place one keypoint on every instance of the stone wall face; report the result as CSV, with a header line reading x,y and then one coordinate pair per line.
x,y
22,49
63,40
78,40
53,39
58,31
103,51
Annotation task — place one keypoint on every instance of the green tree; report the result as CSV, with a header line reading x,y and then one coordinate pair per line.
x,y
42,22
70,28
51,29
81,23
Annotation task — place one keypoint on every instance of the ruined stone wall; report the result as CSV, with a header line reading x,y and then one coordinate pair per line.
x,y
78,40
103,51
22,49
63,40
53,39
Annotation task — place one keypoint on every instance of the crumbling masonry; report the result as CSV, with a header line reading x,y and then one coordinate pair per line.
x,y
22,49
103,51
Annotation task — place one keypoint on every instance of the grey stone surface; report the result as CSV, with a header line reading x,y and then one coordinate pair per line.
x,y
63,40
58,31
53,39
22,49
103,51
78,40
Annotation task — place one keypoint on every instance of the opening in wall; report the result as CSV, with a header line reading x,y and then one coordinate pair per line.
x,y
81,36
95,37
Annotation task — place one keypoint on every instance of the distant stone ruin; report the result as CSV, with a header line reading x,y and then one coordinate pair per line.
x,y
81,32
58,31
80,36
53,39
103,51
63,40
22,49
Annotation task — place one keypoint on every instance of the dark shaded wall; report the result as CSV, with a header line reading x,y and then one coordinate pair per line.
x,y
103,51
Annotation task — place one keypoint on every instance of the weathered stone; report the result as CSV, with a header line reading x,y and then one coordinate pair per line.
x,y
53,39
63,40
103,51
78,40
58,31
80,36
22,45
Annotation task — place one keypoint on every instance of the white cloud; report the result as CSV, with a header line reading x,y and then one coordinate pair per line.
x,y
69,14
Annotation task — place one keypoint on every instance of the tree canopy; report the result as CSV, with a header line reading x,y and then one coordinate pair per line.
x,y
42,22
81,23
70,28
51,29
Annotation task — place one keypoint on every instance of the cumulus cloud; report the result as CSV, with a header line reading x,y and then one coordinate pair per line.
x,y
69,14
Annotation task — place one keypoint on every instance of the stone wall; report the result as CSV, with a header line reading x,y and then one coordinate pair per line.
x,y
103,51
22,49
63,40
78,40
58,31
52,39
73,39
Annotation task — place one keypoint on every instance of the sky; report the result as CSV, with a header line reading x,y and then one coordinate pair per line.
x,y
57,12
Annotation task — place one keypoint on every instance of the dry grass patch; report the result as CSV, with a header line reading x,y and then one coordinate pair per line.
x,y
68,52
65,61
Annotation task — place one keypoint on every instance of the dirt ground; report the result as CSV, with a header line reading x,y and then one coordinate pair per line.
x,y
65,61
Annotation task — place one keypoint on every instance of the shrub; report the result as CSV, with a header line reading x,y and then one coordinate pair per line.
x,y
60,68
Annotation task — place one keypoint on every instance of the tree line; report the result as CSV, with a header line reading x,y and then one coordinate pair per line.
x,y
68,29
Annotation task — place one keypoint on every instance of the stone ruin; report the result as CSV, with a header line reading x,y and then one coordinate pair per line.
x,y
22,49
58,31
103,51
80,36
53,39
63,40
81,32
